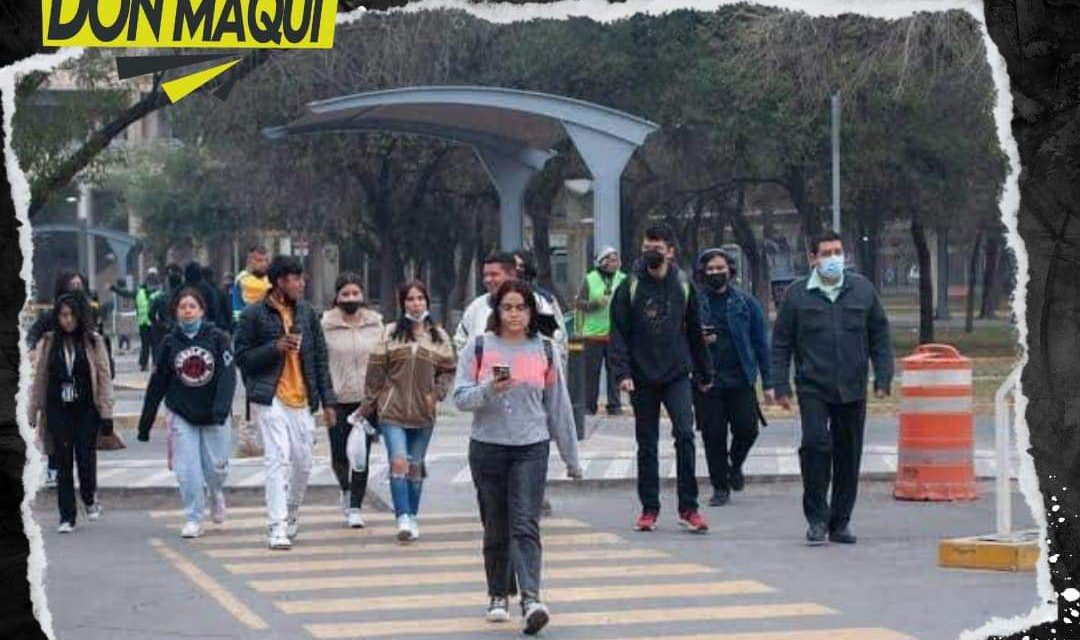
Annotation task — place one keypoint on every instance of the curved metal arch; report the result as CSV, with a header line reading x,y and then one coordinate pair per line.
x,y
613,122
112,235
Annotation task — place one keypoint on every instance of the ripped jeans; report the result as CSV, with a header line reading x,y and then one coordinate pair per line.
x,y
201,462
405,447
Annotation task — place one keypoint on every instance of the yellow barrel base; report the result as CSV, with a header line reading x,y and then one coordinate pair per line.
x,y
1016,552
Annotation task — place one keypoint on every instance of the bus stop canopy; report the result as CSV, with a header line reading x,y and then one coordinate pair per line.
x,y
512,131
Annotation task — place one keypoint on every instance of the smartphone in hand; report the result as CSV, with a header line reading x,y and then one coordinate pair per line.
x,y
500,372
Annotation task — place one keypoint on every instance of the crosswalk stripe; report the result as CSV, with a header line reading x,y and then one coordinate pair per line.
x,y
429,627
259,522
222,536
869,633
323,508
618,469
463,477
212,587
155,478
551,595
550,540
421,562
650,570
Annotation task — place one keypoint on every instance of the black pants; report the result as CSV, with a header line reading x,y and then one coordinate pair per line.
x,y
348,480
74,434
510,491
716,411
598,352
832,439
144,345
677,398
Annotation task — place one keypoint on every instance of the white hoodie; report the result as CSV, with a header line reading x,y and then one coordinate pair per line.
x,y
474,322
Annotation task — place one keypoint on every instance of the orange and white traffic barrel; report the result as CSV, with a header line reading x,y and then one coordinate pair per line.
x,y
936,452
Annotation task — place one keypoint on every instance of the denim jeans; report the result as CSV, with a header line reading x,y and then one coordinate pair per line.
x,y
832,441
349,480
677,399
409,444
509,484
201,462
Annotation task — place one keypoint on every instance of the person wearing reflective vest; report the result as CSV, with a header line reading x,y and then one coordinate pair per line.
x,y
832,324
150,289
251,284
594,304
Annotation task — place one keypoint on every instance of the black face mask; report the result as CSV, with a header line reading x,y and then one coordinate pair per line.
x,y
653,259
349,307
716,281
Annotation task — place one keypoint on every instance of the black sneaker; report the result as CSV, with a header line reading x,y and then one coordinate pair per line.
x,y
720,497
815,535
736,479
535,615
843,535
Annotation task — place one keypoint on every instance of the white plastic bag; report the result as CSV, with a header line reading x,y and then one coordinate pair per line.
x,y
356,445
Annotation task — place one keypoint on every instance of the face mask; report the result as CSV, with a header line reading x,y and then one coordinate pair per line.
x,y
417,319
832,267
349,307
653,259
191,327
716,281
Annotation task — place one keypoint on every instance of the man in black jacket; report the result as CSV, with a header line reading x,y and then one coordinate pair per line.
x,y
655,335
281,351
832,323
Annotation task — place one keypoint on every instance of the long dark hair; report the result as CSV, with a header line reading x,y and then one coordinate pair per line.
x,y
514,286
63,280
403,329
79,306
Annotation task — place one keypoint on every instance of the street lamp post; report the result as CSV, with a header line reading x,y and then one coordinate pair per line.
x,y
836,162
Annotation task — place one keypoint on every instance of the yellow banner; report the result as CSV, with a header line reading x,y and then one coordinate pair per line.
x,y
233,24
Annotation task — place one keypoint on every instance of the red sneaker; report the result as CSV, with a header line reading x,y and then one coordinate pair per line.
x,y
646,521
693,521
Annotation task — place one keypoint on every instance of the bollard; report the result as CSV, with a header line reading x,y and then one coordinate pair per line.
x,y
936,448
575,382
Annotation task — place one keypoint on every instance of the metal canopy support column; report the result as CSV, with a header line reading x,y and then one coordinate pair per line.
x,y
511,178
606,157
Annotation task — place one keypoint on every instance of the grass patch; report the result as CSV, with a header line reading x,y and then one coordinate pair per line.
x,y
993,341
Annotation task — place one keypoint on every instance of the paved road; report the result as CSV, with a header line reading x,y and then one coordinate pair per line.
x,y
130,576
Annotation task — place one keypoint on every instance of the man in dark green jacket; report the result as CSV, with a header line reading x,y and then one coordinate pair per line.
x,y
832,323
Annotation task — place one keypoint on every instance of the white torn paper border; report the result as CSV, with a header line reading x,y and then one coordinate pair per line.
x,y
602,11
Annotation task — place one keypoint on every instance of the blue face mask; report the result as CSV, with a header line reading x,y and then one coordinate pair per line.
x,y
831,267
191,327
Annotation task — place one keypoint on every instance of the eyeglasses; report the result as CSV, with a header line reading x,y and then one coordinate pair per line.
x,y
513,308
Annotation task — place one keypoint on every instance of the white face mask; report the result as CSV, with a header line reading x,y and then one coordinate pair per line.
x,y
417,319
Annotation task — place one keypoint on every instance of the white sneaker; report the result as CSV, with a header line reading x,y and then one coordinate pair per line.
x,y
191,530
535,615
354,520
217,507
414,529
93,512
50,478
278,538
404,528
65,527
498,610
292,521
344,502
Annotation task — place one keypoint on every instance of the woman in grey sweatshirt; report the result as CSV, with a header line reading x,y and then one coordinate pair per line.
x,y
512,381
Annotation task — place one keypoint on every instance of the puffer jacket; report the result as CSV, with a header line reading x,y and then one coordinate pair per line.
x,y
406,380
261,363
349,347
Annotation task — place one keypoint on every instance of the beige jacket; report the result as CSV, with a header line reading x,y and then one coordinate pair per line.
x,y
100,381
406,380
348,348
